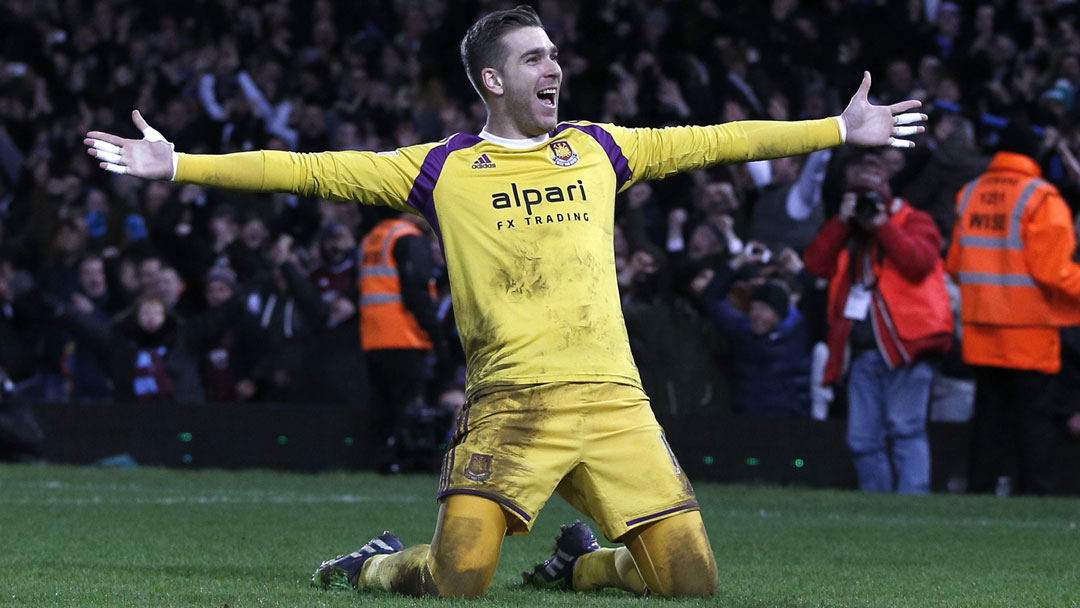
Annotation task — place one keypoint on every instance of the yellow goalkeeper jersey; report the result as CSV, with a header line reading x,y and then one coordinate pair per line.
x,y
526,226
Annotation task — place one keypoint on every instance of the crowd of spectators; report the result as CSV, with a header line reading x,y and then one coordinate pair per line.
x,y
114,289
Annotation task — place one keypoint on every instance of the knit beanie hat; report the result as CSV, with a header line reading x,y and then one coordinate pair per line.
x,y
221,274
775,296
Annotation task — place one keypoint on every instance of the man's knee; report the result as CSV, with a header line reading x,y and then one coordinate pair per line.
x,y
468,540
692,573
451,581
674,557
461,569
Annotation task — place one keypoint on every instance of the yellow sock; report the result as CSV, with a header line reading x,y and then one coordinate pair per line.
x,y
405,572
604,568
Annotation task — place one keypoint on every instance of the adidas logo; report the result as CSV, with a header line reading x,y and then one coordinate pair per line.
x,y
483,163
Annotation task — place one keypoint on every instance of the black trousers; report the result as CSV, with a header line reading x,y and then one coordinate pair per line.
x,y
398,378
1015,430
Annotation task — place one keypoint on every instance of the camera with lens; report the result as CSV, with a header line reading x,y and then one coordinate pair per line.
x,y
759,250
867,206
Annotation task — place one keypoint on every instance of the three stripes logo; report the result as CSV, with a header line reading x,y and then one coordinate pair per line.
x,y
483,163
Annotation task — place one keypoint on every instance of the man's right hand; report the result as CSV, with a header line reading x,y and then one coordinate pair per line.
x,y
151,157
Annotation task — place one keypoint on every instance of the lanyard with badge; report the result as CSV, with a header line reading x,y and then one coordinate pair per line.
x,y
857,306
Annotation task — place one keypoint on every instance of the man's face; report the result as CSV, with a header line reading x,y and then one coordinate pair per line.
x,y
69,240
254,234
92,277
170,286
338,245
530,80
223,227
900,76
785,169
217,293
703,243
718,197
148,273
948,22
763,319
151,316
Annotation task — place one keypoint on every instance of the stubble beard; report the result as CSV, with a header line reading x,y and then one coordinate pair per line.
x,y
529,120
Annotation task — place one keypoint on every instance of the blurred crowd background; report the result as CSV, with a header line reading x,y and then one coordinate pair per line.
x,y
112,289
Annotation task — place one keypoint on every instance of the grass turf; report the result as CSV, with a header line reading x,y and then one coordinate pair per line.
x,y
152,537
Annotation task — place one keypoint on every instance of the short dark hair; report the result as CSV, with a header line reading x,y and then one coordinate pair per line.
x,y
482,45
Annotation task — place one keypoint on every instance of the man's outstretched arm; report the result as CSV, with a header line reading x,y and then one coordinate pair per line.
x,y
658,153
366,177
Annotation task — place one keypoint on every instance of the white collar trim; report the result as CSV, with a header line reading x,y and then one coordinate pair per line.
x,y
516,144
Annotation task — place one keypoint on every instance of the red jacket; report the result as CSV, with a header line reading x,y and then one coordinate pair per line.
x,y
910,306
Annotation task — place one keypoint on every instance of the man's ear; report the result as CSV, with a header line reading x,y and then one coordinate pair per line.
x,y
492,81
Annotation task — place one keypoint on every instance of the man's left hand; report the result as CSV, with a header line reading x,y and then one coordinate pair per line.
x,y
871,126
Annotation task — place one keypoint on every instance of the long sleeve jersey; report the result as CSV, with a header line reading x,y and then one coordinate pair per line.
x,y
526,226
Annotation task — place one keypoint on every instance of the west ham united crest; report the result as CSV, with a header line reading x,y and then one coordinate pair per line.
x,y
479,468
563,154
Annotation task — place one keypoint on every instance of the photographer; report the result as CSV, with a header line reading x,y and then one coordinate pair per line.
x,y
888,313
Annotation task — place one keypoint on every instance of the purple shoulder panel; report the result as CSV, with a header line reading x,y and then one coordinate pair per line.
x,y
421,196
618,161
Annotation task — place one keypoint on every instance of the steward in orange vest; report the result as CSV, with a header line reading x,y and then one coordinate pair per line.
x,y
386,322
1011,254
399,332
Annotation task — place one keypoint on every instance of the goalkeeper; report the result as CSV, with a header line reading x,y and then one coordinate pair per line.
x,y
525,211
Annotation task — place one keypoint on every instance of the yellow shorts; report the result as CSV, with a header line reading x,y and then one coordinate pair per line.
x,y
598,444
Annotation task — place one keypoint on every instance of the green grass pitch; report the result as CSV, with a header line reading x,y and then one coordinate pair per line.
x,y
153,537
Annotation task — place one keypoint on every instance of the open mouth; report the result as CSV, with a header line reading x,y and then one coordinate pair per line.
x,y
547,96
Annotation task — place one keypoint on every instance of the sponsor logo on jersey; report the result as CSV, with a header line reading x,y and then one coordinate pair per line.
x,y
530,197
483,163
479,467
563,154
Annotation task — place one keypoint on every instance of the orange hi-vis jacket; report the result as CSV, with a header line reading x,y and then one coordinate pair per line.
x,y
385,322
1011,254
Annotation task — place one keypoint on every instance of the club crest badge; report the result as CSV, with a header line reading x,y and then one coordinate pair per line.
x,y
479,467
563,154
